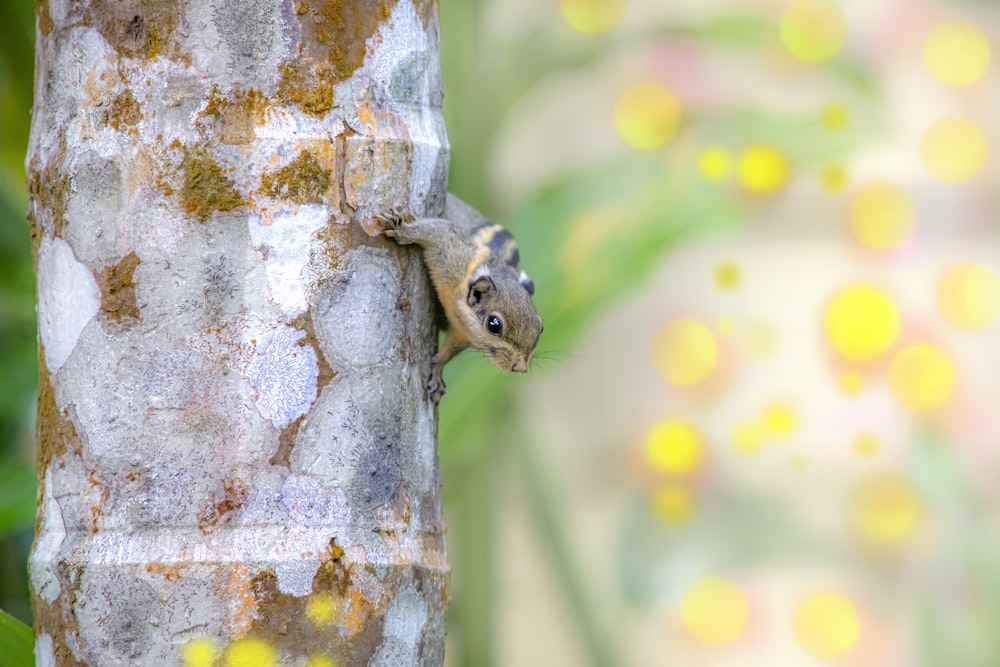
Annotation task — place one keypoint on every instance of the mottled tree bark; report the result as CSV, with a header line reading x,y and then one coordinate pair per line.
x,y
236,456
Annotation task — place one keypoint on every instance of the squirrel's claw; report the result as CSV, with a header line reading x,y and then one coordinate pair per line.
x,y
435,385
391,220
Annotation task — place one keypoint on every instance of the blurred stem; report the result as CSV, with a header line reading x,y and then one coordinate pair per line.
x,y
477,566
552,529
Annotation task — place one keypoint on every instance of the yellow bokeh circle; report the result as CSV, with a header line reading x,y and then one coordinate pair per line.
x,y
685,352
762,169
835,116
199,652
862,322
673,504
778,420
320,661
674,447
881,215
249,652
714,164
826,625
322,609
886,508
592,17
715,611
954,150
969,296
921,376
727,275
833,178
647,116
957,53
813,30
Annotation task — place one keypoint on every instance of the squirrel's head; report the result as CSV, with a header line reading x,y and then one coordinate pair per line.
x,y
506,326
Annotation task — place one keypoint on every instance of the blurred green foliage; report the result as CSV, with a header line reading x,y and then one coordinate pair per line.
x,y
16,642
18,357
588,238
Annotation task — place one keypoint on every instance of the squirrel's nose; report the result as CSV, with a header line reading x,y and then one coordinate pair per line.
x,y
519,366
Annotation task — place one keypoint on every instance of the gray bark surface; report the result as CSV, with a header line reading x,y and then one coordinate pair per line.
x,y
236,456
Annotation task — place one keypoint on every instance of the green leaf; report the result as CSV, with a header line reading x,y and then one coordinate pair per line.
x,y
17,642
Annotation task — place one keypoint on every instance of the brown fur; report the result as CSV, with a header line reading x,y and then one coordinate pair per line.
x,y
473,264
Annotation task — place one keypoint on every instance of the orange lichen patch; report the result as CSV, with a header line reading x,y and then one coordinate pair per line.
x,y
239,589
168,572
302,180
123,112
135,27
225,504
239,114
333,46
359,610
205,189
118,289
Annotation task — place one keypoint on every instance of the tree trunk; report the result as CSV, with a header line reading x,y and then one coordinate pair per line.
x,y
236,457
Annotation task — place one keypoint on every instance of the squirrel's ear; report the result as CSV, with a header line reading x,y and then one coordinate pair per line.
x,y
527,283
481,287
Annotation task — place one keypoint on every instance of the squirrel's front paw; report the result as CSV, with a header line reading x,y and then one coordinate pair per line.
x,y
435,387
391,221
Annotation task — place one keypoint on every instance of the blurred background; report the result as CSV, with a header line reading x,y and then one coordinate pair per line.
x,y
762,425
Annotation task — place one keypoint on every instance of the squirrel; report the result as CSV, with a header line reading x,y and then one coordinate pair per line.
x,y
487,299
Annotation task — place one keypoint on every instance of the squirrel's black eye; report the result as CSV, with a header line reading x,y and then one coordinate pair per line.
x,y
494,325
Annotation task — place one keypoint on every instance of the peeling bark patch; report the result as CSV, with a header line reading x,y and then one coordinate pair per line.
x,y
118,289
44,566
282,619
68,298
426,10
124,112
334,36
404,625
56,431
336,620
239,114
45,24
168,572
303,180
304,323
206,187
65,631
135,27
234,493
97,509
282,374
50,187
286,443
